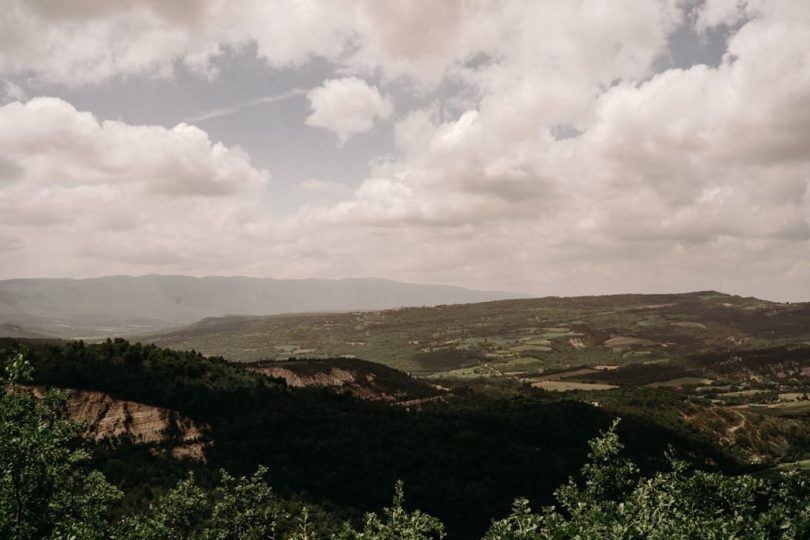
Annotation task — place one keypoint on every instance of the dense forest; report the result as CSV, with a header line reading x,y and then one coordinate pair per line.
x,y
334,461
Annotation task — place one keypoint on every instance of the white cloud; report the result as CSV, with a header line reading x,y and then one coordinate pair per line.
x,y
686,179
94,41
57,146
77,190
347,106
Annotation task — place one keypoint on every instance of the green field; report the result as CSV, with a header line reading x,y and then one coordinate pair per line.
x,y
557,333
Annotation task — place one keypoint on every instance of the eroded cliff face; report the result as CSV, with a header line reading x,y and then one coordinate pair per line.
x,y
120,421
360,385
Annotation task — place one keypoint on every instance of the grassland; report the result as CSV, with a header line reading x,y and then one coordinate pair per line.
x,y
517,338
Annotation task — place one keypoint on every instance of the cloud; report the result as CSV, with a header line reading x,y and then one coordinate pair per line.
x,y
537,146
94,41
347,107
74,188
679,180
56,145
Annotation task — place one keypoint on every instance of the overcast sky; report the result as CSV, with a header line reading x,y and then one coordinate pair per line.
x,y
546,147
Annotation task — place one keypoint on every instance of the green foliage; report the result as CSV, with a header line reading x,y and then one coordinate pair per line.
x,y
397,524
244,508
237,508
607,479
615,502
521,524
463,461
175,516
45,491
18,369
303,528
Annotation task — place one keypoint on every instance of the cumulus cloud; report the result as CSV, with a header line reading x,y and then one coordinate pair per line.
x,y
678,180
537,148
71,186
53,144
93,41
347,106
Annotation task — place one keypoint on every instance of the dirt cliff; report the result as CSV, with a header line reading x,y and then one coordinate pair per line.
x,y
362,385
366,380
116,421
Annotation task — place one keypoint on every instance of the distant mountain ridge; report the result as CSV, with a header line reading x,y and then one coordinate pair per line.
x,y
126,305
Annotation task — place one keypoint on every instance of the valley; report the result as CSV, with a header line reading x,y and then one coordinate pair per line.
x,y
471,405
727,349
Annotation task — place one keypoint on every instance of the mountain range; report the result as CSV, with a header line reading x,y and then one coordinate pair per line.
x,y
126,305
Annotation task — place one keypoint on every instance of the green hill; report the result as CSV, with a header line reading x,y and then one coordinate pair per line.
x,y
721,379
511,337
463,460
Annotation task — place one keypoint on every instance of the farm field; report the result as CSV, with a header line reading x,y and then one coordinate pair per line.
x,y
515,338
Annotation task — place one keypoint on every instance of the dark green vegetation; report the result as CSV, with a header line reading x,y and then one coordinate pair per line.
x,y
463,461
747,361
613,501
722,380
47,490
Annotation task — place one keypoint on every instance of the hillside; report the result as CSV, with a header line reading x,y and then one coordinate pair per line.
x,y
511,337
17,331
358,378
123,305
464,459
116,422
507,394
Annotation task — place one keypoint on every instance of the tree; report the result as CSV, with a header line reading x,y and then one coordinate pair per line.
x,y
397,524
235,509
244,509
613,501
45,490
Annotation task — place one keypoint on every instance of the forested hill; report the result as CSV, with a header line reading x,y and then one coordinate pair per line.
x,y
124,305
522,336
463,461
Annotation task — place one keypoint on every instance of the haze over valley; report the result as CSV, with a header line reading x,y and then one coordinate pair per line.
x,y
121,305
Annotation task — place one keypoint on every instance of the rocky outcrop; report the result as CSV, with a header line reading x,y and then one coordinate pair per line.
x,y
119,421
362,385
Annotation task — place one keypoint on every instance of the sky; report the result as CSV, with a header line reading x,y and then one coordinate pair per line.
x,y
541,147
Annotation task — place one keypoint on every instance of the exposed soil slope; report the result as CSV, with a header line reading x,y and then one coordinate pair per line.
x,y
118,421
362,379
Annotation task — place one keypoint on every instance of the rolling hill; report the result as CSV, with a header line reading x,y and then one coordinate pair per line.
x,y
124,305
464,459
510,337
507,394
